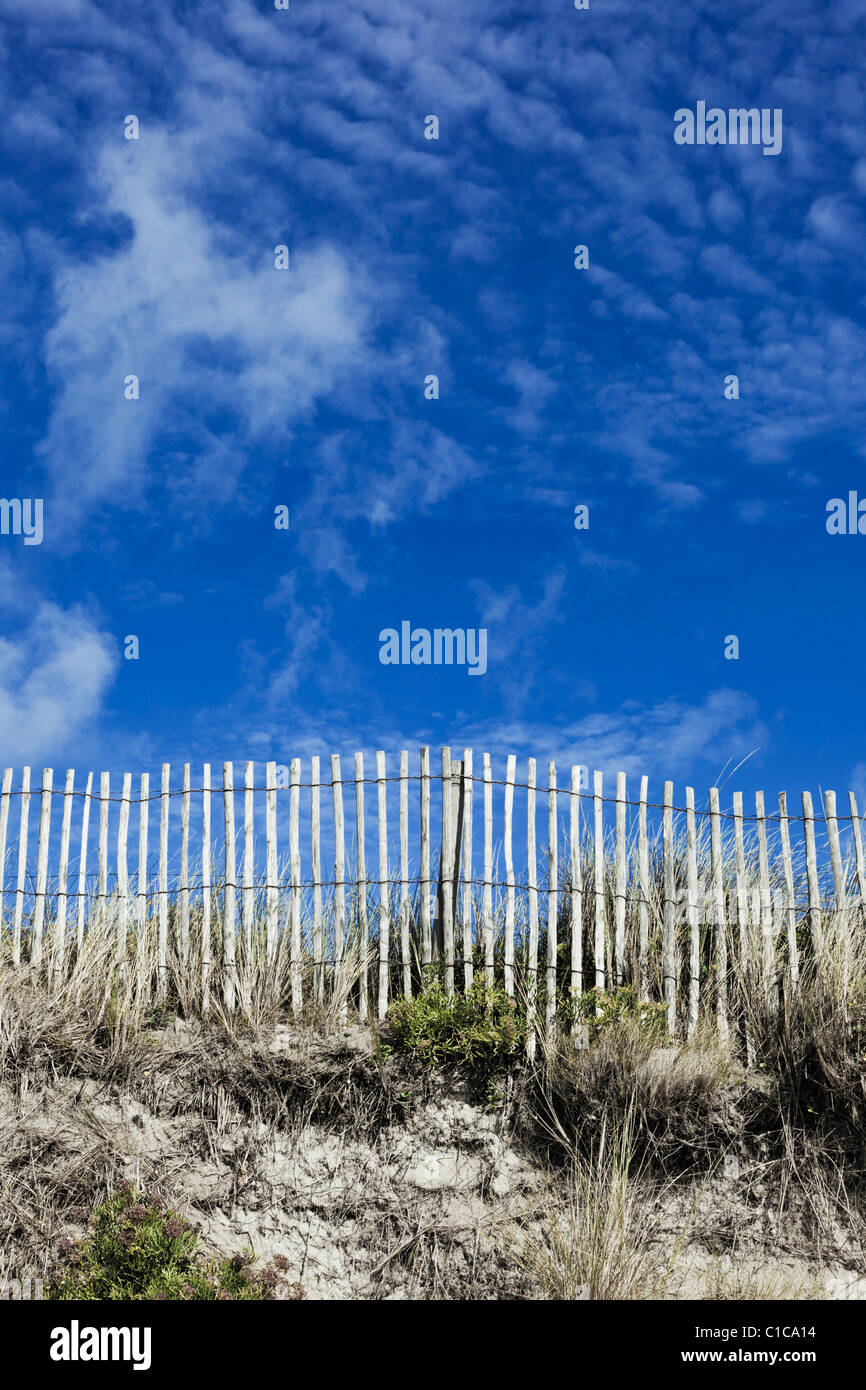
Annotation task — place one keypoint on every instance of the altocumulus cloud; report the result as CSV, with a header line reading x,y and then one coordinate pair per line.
x,y
200,323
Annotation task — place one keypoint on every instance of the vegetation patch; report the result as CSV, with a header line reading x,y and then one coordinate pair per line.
x,y
481,1029
138,1250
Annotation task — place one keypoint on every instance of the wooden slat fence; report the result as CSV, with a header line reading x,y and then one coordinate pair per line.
x,y
692,907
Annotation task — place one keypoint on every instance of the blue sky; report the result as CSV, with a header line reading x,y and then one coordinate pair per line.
x,y
557,387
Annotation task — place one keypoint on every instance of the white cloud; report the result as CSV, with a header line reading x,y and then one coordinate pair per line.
x,y
202,326
54,677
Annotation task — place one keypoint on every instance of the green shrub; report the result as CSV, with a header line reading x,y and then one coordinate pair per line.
x,y
137,1249
480,1029
603,1010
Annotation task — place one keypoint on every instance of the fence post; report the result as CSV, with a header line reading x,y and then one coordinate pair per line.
x,y
552,902
404,875
768,940
532,894
619,884
4,823
22,866
231,889
790,913
249,892
271,893
316,836
643,872
858,850
456,816
339,884
62,876
467,790
446,892
102,846
425,886
122,867
692,909
361,886
487,899
143,810
576,891
384,886
295,891
815,922
205,890
598,849
719,922
668,945
184,866
840,915
41,867
164,803
509,875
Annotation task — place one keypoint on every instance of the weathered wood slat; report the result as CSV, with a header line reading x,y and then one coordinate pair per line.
x,y
841,929
316,851
141,886
508,852
22,866
123,899
5,797
692,912
164,804
405,908
361,890
231,890
185,803
446,891
62,873
644,888
815,921
619,882
668,941
532,881
41,868
719,917
272,888
102,845
384,887
426,885
295,956
788,870
249,878
768,952
858,850
339,885
487,900
598,861
466,915
576,889
206,889
552,902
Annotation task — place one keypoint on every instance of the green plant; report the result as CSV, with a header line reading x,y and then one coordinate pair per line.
x,y
480,1029
137,1249
602,1010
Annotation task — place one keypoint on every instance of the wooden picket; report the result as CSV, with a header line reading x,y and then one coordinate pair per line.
x,y
604,932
